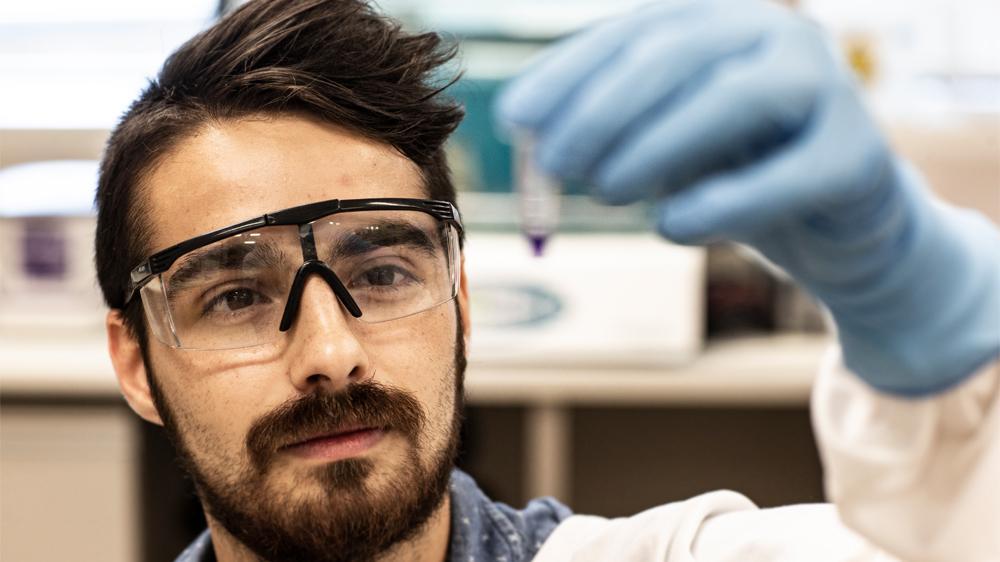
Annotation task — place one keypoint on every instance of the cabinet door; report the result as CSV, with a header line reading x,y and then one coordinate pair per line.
x,y
67,483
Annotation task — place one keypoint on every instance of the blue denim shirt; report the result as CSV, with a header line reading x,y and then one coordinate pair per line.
x,y
481,530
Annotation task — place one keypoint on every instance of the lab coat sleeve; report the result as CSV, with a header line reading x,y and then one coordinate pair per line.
x,y
911,480
721,526
919,478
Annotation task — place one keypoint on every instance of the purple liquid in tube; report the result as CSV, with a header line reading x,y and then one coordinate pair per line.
x,y
537,245
538,196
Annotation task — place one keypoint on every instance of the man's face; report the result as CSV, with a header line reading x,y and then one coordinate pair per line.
x,y
233,412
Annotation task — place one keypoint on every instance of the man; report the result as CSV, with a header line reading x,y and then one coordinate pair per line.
x,y
279,247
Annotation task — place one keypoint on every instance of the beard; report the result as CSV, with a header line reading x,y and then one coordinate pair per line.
x,y
345,520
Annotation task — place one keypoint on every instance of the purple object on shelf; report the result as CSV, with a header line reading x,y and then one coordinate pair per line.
x,y
44,250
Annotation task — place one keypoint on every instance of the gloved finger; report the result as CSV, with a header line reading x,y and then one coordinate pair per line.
x,y
738,117
560,70
532,98
838,159
652,74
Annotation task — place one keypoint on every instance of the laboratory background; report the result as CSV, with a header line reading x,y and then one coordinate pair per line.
x,y
706,349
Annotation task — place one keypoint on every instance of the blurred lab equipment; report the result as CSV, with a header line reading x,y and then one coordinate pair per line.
x,y
47,280
615,299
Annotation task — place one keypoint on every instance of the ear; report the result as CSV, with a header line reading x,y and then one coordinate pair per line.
x,y
463,306
126,358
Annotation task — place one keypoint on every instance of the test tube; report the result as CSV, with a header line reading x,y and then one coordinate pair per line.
x,y
537,194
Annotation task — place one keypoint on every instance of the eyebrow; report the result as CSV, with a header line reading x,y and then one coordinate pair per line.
x,y
381,234
252,253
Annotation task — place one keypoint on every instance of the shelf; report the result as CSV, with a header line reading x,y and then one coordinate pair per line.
x,y
762,371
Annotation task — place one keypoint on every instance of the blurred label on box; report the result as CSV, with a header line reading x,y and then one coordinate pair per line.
x,y
610,299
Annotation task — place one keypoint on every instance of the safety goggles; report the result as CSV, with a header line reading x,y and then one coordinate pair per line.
x,y
241,285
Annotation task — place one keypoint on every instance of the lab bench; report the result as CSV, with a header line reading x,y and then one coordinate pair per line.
x,y
603,439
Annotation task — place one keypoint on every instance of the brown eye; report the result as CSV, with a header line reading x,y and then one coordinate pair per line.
x,y
239,298
381,276
235,300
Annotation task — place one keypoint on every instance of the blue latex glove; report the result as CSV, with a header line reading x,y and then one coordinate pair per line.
x,y
737,117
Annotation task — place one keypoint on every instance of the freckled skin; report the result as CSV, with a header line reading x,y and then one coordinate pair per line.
x,y
228,172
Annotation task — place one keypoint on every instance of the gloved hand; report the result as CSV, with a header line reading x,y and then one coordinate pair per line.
x,y
737,117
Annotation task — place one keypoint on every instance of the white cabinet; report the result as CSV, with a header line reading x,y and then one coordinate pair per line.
x,y
67,483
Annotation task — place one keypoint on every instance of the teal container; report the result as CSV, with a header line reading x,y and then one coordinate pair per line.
x,y
480,158
485,159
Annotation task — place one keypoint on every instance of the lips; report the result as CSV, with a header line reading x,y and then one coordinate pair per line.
x,y
337,445
326,435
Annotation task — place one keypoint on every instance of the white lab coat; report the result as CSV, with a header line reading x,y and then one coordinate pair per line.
x,y
910,480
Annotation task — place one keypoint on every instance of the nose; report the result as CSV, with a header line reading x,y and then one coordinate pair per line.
x,y
324,350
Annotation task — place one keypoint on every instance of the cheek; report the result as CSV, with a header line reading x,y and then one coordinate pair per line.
x,y
214,402
418,355
440,351
424,342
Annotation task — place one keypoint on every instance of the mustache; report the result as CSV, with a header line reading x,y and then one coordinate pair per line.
x,y
367,404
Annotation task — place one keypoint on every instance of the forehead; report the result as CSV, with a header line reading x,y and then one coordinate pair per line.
x,y
235,170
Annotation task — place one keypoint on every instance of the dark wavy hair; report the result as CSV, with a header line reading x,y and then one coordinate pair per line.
x,y
337,61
